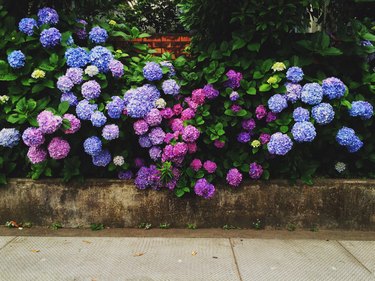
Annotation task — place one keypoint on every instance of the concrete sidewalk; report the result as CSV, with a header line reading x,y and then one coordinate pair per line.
x,y
190,259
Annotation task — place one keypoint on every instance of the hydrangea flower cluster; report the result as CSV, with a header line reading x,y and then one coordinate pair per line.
x,y
277,103
279,144
362,109
333,88
234,79
323,113
204,189
98,35
294,74
9,137
312,93
48,16
170,87
234,177
256,171
16,59
50,37
347,137
152,71
77,57
303,132
27,25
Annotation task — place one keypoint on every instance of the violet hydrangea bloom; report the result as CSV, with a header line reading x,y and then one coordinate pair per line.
x,y
92,145
293,92
153,118
140,127
144,141
81,32
279,144
98,35
48,16
243,137
148,177
301,114
303,132
152,71
190,134
125,175
156,136
234,177
248,124
256,171
90,90
204,189
100,57
115,107
333,88
362,109
102,159
294,74
77,57
323,113
170,87
111,132
264,138
36,154
9,137
260,112
141,100
196,165
198,96
169,65
50,37
210,91
16,59
98,119
75,123
27,25
187,114
234,96
75,74
210,166
70,98
234,79
312,93
48,122
64,84
277,103
155,153
85,109
117,68
58,148
219,144
33,137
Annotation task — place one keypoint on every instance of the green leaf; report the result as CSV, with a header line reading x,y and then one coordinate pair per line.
x,y
265,87
284,129
368,36
63,107
37,88
7,77
47,67
258,75
251,91
144,35
254,47
238,43
346,104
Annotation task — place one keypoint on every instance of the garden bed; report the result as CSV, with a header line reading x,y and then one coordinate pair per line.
x,y
330,204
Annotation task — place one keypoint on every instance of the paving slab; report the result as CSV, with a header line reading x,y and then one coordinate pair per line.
x,y
363,251
4,240
296,260
90,258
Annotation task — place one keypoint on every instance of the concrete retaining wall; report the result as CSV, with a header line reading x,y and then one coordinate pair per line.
x,y
347,204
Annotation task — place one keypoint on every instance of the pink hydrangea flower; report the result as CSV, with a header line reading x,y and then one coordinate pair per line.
x,y
210,166
58,148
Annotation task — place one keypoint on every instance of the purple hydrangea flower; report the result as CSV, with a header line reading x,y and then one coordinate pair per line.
x,y
152,71
248,124
26,25
115,107
244,137
156,136
234,177
64,84
90,90
50,37
210,91
98,119
333,88
312,93
33,137
196,165
48,123
144,141
125,175
277,103
100,57
279,144
16,59
75,74
169,65
198,96
190,134
84,109
187,114
210,166
260,112
140,101
293,92
75,123
140,127
155,153
219,144
81,32
148,177
111,132
301,114
264,138
77,57
102,159
36,154
153,118
48,16
98,35
294,74
9,137
117,68
234,79
204,189
170,87
256,171
271,116
70,98
92,145
362,109
58,148
323,113
234,96
303,132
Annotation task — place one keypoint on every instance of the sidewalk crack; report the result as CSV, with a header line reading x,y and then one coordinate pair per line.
x,y
350,253
7,243
235,259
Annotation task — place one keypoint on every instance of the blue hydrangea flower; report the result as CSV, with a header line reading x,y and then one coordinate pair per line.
x,y
355,145
347,137
141,100
244,137
144,141
98,119
362,109
303,132
70,41
77,57
26,25
294,74
323,113
92,145
98,35
64,84
9,137
102,159
16,59
170,87
152,71
279,144
48,16
75,74
101,57
333,88
312,93
301,114
115,107
293,92
84,109
169,65
70,98
277,103
50,37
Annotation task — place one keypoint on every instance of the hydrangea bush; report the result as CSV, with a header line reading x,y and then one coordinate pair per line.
x,y
77,107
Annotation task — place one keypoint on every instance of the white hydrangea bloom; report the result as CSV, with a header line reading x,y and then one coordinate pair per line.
x,y
118,160
340,167
91,70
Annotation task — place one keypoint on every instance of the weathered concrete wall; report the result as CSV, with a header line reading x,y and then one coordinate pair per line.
x,y
348,204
